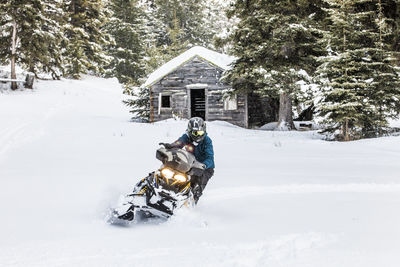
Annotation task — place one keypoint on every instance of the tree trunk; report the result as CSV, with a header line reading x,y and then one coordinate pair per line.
x,y
345,131
13,48
285,121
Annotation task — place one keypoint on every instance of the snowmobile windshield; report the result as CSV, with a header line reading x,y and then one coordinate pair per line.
x,y
175,158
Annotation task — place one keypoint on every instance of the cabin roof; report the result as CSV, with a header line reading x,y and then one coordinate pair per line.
x,y
220,60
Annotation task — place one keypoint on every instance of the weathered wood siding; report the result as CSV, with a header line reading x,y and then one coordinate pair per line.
x,y
196,71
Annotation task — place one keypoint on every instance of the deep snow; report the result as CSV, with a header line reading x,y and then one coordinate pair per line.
x,y
68,150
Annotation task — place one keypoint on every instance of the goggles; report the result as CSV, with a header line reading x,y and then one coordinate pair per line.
x,y
197,133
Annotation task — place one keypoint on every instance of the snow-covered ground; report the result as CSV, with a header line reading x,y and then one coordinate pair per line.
x,y
68,150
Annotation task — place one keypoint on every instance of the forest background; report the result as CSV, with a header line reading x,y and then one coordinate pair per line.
x,y
339,57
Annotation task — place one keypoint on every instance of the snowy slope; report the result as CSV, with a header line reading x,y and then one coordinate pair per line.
x,y
68,150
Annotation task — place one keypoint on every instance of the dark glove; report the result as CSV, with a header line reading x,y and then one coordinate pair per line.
x,y
196,172
166,145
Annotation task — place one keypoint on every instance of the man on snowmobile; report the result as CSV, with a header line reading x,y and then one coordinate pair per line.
x,y
196,141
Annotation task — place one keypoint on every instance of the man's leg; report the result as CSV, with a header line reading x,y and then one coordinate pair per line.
x,y
201,183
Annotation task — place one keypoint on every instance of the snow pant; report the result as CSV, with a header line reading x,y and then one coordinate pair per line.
x,y
200,182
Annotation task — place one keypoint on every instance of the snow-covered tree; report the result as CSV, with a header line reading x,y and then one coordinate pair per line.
x,y
385,83
391,10
153,31
361,86
219,24
31,35
139,103
275,42
181,23
128,49
189,14
178,44
86,38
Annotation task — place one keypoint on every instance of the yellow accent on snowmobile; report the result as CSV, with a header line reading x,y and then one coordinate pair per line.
x,y
141,192
185,188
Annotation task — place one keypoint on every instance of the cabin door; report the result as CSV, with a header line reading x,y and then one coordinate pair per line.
x,y
198,103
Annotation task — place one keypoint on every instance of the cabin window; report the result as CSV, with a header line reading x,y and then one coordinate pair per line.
x,y
230,103
165,101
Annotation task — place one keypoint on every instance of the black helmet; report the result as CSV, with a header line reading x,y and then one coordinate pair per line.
x,y
196,129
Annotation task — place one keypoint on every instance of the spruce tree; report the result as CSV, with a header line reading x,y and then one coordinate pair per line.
x,y
153,37
163,34
360,82
218,23
385,83
391,10
274,42
44,50
189,13
31,35
128,49
174,26
139,103
176,35
86,38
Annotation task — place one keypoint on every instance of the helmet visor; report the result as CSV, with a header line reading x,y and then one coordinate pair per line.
x,y
197,133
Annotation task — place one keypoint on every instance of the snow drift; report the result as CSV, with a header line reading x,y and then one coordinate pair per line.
x,y
68,151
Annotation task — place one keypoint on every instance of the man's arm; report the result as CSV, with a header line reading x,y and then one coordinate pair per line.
x,y
180,143
209,151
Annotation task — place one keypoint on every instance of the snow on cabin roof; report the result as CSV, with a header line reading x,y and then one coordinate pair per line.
x,y
221,60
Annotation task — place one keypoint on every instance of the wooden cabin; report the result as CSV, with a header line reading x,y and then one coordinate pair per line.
x,y
190,86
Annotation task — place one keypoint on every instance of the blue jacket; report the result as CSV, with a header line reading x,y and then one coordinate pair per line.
x,y
203,152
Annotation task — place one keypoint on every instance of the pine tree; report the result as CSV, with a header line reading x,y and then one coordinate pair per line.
x,y
163,32
189,13
391,10
154,32
86,38
218,23
44,51
184,20
31,35
385,83
360,82
274,42
140,103
128,51
176,36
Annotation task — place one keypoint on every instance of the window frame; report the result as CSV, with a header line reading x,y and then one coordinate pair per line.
x,y
160,95
163,96
230,103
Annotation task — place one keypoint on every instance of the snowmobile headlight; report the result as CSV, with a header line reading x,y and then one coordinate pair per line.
x,y
180,178
167,173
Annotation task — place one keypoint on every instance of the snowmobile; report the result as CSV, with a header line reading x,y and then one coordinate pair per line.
x,y
163,191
